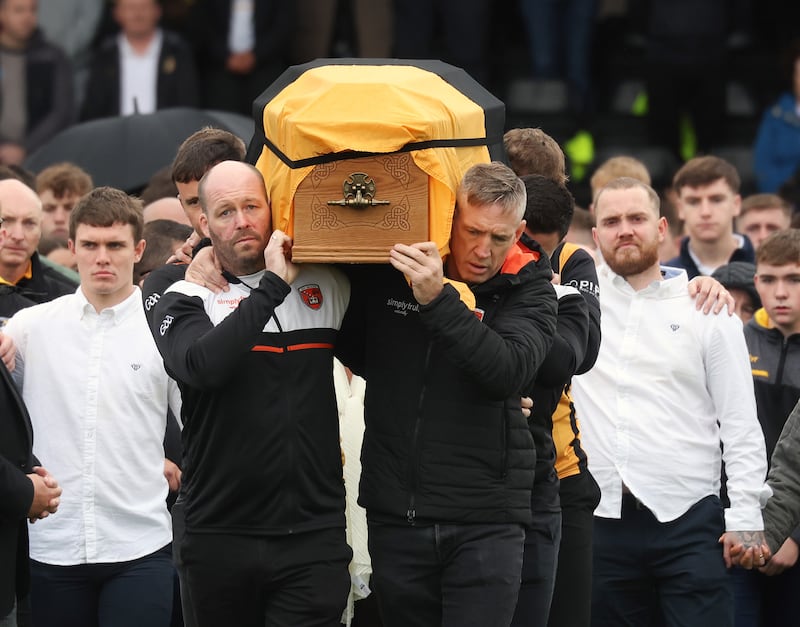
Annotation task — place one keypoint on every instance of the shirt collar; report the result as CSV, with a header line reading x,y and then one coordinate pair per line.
x,y
672,279
153,48
117,313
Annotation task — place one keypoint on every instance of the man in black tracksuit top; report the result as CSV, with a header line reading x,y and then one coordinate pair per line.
x,y
448,459
263,486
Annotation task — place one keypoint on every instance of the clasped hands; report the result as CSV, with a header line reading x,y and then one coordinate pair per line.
x,y
747,549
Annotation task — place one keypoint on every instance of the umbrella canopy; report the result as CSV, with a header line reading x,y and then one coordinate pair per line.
x,y
125,151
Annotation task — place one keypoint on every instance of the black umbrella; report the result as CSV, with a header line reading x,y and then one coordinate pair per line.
x,y
125,151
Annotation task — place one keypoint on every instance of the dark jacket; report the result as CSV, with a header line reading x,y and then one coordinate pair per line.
x,y
210,21
45,284
260,436
782,512
16,492
684,259
775,363
563,360
578,270
776,152
49,94
445,439
176,83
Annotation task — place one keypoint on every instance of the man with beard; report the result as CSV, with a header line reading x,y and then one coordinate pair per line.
x,y
263,492
669,387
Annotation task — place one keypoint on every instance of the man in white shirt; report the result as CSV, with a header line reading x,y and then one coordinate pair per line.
x,y
98,395
669,387
142,69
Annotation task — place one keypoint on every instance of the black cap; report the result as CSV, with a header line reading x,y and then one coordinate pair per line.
x,y
739,275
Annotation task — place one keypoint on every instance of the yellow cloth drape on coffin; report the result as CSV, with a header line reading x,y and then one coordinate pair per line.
x,y
366,108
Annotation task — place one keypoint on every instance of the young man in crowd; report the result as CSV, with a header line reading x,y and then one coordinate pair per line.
x,y
708,199
60,186
762,215
98,397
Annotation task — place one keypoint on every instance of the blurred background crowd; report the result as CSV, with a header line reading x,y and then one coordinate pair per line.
x,y
661,80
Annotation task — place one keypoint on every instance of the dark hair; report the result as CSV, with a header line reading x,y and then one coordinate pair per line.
x,y
780,249
203,149
701,171
64,178
549,207
162,237
106,206
532,151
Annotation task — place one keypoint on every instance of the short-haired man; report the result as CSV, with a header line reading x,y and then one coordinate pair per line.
x,y
162,237
532,151
59,187
762,215
26,490
549,208
263,489
448,458
98,397
773,339
196,155
24,279
708,200
670,386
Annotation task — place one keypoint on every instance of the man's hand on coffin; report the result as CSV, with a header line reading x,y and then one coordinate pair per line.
x,y
278,256
422,267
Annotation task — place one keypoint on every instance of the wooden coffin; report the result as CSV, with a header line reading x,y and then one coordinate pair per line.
x,y
360,154
355,210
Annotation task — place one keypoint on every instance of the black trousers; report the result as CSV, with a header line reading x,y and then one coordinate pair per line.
x,y
453,575
644,568
572,595
252,581
121,594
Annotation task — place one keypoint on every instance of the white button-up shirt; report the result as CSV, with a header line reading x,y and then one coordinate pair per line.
x,y
138,76
669,385
98,394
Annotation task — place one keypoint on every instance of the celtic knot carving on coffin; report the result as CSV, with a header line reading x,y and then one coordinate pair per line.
x,y
322,172
397,167
396,217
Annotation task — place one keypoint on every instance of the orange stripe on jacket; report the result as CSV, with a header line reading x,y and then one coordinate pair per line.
x,y
262,348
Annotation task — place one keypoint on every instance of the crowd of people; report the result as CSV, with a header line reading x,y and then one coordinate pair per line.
x,y
577,417
605,499
95,58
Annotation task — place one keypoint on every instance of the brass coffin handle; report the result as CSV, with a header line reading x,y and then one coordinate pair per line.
x,y
359,192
